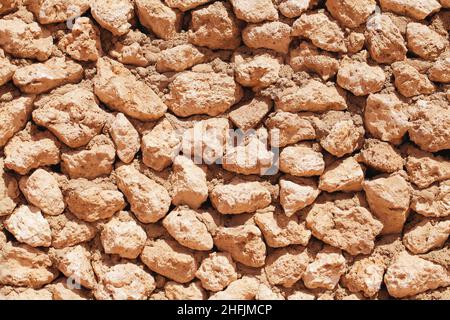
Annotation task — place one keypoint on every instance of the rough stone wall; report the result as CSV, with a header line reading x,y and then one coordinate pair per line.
x,y
241,149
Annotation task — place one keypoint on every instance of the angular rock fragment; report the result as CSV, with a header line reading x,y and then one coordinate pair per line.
x,y
185,5
365,275
7,69
360,78
217,271
380,156
409,81
425,42
433,201
191,291
18,293
440,71
254,11
351,14
250,114
274,35
158,18
113,15
426,235
424,169
297,193
257,71
125,137
241,289
345,175
9,191
179,58
294,8
417,9
48,11
302,161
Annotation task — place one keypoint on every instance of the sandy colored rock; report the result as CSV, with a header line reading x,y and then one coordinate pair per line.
x,y
95,160
250,114
360,78
217,271
158,18
384,40
424,169
7,69
160,146
409,81
301,295
123,236
48,11
323,32
202,93
41,190
42,77
60,112
326,269
28,226
17,293
409,275
344,224
113,15
257,71
240,197
254,11
365,275
430,125
9,191
289,128
125,137
30,149
386,117
83,43
184,226
25,266
440,71
313,96
149,201
244,243
64,289
433,201
286,266
74,263
426,235
380,156
170,259
215,27
188,183
191,291
351,14
389,199
297,193
132,50
417,9
185,5
301,160
425,42
294,8
274,35
67,230
8,6
91,201
179,58
345,175
241,289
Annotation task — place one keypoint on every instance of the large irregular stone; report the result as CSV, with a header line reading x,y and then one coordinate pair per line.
x,y
424,169
189,291
217,271
345,175
125,138
116,87
159,18
244,243
409,81
425,42
294,8
349,13
433,201
256,71
302,161
71,113
241,289
18,293
240,197
440,71
113,15
41,190
254,11
7,69
202,93
365,275
380,156
179,58
360,78
149,201
297,193
417,9
185,5
185,227
274,35
426,235
53,11
9,191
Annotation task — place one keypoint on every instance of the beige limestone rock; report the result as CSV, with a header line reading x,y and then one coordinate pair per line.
x,y
288,128
215,27
326,269
132,49
254,11
170,259
185,227
149,201
286,266
240,197
409,275
409,81
297,193
7,69
380,156
360,78
386,117
424,169
426,235
91,201
25,266
217,271
125,137
123,236
425,42
188,183
313,96
113,15
9,191
30,149
52,11
95,160
116,86
349,13
125,281
384,40
17,293
71,113
28,226
250,113
160,146
42,77
185,5
275,35
365,275
257,71
68,231
202,93
440,71
64,289
344,175
41,190
241,289
158,18
83,43
294,8
190,291
323,32
179,58
389,199
433,201
244,243
301,160
417,9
